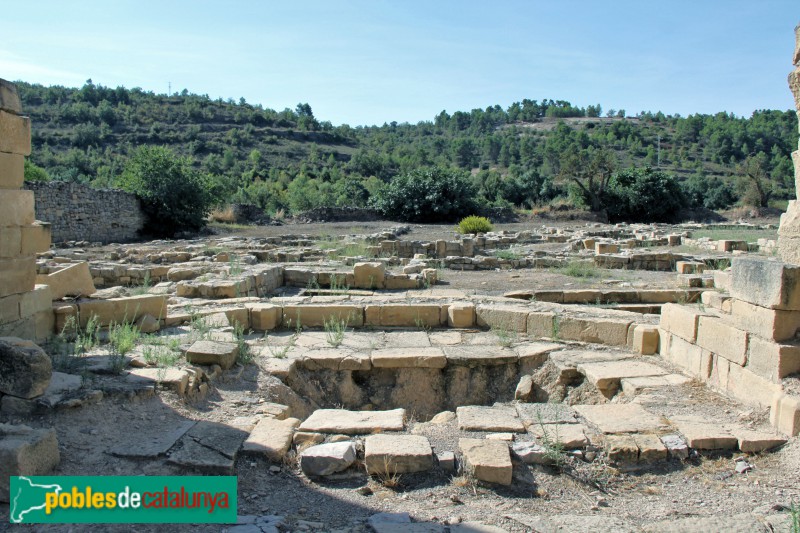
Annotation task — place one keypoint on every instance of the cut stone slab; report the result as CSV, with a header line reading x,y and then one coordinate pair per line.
x,y
480,418
767,283
25,369
622,451
487,460
335,359
411,357
546,413
606,375
757,441
327,459
676,446
176,379
397,454
651,449
210,447
638,385
479,355
620,418
354,422
534,354
407,339
150,446
571,436
213,353
74,280
532,453
271,437
25,452
701,434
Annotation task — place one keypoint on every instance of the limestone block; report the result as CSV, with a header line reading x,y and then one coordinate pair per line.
x,y
12,170
120,310
757,441
10,242
570,436
784,414
17,207
265,317
606,375
636,385
744,385
25,369
412,357
36,301
621,450
620,418
410,315
651,449
701,434
369,275
681,320
354,422
271,437
508,318
175,379
36,238
461,315
401,281
318,315
397,454
213,353
613,332
542,324
645,339
689,267
715,335
730,246
766,283
722,280
15,134
771,324
9,308
327,459
606,248
684,354
487,460
796,161
25,452
18,275
480,418
789,234
74,280
335,359
771,360
9,98
718,301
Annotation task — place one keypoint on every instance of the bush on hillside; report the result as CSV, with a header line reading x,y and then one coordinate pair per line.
x,y
427,195
643,195
474,224
175,197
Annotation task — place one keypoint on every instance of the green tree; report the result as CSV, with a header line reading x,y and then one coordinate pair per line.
x,y
175,197
35,173
643,195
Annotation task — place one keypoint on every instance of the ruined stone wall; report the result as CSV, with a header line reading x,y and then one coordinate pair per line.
x,y
78,212
789,232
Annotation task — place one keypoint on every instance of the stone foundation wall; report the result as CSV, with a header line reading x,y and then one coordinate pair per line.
x,y
78,212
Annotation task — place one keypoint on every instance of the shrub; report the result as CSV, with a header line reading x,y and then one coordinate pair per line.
x,y
175,197
474,224
427,195
643,195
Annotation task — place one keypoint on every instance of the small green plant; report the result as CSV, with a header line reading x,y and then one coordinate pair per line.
x,y
507,255
245,356
87,338
555,334
199,326
505,337
146,285
235,267
339,284
474,224
160,355
553,447
581,269
312,284
335,328
421,324
794,513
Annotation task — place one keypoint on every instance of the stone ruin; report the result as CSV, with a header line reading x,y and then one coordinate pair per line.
x,y
605,371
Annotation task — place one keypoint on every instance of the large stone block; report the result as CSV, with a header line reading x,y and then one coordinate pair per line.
x,y
15,134
461,315
715,335
25,369
10,242
318,315
265,317
789,234
508,318
25,452
36,301
397,454
686,355
411,357
785,413
12,170
17,207
741,383
681,320
119,310
766,283
271,437
771,360
645,339
9,98
542,324
369,275
74,280
770,324
610,331
213,353
9,308
487,460
17,275
36,238
411,315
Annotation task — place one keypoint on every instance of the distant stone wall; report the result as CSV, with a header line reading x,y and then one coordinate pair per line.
x,y
79,213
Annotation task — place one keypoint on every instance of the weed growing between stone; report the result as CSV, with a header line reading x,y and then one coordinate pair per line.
x,y
245,356
144,288
505,337
794,513
388,476
335,328
122,338
581,269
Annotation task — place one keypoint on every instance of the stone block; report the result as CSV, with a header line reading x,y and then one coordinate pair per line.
x,y
36,238
394,282
412,357
369,275
681,320
542,324
789,233
479,418
637,385
9,98
487,460
606,375
10,242
271,437
119,310
410,315
757,441
318,315
74,280
508,318
17,207
716,336
36,301
620,418
335,359
213,353
684,354
701,434
341,421
621,450
722,280
645,339
9,308
651,449
18,275
606,248
397,454
744,385
689,267
770,324
265,317
15,134
771,360
25,369
12,170
461,315
570,436
25,452
770,284
327,459
784,413
610,331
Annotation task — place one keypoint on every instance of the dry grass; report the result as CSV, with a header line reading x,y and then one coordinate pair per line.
x,y
223,214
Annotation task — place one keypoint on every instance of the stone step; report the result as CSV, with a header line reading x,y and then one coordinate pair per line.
x,y
397,454
271,437
606,375
620,418
341,421
487,460
481,418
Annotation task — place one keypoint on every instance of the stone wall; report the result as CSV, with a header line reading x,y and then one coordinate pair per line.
x,y
789,232
78,212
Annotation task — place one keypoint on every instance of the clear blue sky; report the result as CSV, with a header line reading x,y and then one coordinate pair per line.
x,y
370,62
